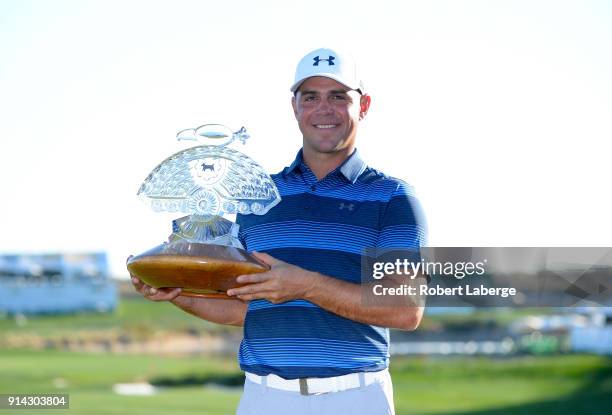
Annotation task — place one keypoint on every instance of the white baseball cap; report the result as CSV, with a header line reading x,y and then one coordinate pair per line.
x,y
330,64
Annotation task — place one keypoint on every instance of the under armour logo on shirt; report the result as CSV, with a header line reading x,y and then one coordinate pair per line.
x,y
330,60
349,206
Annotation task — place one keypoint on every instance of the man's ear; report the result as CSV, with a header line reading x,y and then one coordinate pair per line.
x,y
364,106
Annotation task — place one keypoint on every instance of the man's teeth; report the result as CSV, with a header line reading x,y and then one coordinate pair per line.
x,y
325,125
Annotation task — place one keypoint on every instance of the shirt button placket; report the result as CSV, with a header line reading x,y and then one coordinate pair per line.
x,y
308,204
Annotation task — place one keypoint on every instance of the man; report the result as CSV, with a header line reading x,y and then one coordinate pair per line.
x,y
310,345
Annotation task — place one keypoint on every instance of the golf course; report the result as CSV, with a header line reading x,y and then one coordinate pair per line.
x,y
87,356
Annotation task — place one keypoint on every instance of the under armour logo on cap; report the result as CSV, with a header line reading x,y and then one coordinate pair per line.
x,y
328,63
330,60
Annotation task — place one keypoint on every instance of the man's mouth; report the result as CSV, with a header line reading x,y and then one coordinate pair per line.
x,y
325,126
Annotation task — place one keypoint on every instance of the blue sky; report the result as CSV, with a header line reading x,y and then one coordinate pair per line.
x,y
498,112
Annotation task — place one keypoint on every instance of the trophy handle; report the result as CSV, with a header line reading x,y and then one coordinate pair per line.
x,y
241,135
213,134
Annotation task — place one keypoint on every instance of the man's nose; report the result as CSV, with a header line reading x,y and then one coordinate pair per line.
x,y
324,106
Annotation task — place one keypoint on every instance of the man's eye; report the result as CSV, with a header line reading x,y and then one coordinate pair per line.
x,y
309,98
339,97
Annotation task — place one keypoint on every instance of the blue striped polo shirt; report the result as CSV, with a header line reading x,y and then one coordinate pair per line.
x,y
324,226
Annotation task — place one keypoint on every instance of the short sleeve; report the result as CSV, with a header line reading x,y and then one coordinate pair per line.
x,y
402,225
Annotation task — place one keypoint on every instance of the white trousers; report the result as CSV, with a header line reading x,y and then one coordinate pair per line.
x,y
373,399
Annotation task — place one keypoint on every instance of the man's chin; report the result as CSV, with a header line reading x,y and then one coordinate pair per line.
x,y
327,143
329,148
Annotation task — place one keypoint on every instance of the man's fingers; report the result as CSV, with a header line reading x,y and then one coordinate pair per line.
x,y
252,278
135,280
137,283
152,293
247,289
249,297
143,288
161,294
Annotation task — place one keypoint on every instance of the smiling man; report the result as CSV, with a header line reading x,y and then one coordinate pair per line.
x,y
309,342
310,345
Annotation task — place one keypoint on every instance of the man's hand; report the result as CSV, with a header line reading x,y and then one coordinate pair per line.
x,y
151,293
282,283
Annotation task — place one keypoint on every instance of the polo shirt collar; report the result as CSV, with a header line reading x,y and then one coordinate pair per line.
x,y
351,169
296,163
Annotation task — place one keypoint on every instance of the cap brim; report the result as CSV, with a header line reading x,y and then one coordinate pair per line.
x,y
297,84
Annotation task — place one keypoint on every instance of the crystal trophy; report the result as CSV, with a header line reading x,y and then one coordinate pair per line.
x,y
203,255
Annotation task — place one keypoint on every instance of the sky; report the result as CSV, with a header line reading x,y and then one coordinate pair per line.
x,y
497,112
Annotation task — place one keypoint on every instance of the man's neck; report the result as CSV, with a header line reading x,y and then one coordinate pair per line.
x,y
322,164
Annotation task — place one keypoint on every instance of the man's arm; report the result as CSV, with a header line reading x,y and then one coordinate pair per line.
x,y
347,299
286,282
216,310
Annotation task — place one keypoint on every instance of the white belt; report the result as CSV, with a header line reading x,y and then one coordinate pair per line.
x,y
313,386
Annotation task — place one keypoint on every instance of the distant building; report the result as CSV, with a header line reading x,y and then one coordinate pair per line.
x,y
596,337
55,283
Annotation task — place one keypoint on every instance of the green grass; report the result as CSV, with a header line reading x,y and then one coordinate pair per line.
x,y
577,384
90,377
134,315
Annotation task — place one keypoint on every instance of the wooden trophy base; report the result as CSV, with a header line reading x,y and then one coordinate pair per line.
x,y
200,270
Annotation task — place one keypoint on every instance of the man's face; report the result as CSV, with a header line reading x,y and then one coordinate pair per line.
x,y
328,114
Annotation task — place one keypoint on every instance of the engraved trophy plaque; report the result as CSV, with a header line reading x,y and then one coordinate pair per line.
x,y
203,255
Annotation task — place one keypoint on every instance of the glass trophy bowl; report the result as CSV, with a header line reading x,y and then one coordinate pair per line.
x,y
203,255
